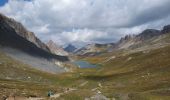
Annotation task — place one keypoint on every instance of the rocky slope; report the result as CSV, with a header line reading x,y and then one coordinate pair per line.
x,y
23,32
94,49
148,38
55,49
13,34
23,45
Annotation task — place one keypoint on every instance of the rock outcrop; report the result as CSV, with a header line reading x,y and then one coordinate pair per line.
x,y
55,49
166,29
22,31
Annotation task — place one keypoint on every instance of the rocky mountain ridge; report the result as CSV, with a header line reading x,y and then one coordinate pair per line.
x,y
22,31
24,46
94,49
130,41
138,40
55,49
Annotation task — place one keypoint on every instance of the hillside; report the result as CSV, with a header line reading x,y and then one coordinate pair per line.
x,y
24,46
94,49
14,35
55,49
136,76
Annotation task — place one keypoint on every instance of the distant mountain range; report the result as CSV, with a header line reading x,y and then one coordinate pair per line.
x,y
94,49
146,38
70,48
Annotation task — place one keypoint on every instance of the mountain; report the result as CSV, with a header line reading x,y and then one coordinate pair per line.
x,y
24,46
22,31
144,73
166,29
94,49
70,48
124,43
148,33
145,38
55,49
149,38
13,34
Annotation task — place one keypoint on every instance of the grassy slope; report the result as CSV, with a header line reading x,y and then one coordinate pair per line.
x,y
137,76
19,79
144,75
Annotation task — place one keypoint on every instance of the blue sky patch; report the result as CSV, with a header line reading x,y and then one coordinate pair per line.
x,y
2,2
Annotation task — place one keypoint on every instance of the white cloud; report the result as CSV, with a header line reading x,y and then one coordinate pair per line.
x,y
84,21
79,36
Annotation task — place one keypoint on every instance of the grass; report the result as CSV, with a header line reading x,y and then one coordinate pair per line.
x,y
136,76
142,73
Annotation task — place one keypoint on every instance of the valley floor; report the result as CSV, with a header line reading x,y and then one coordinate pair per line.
x,y
126,76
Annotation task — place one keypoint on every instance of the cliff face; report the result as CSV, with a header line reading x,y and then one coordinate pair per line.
x,y
55,49
166,29
22,31
14,35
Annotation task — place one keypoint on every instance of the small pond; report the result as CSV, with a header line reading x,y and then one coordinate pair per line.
x,y
84,64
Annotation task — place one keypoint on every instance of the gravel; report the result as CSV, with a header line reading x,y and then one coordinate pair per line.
x,y
35,62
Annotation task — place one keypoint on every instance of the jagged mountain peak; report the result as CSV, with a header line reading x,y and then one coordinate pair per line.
x,y
51,43
56,49
166,29
22,31
127,37
14,35
149,33
70,48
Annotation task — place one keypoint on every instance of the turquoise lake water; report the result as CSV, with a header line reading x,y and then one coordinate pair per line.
x,y
84,64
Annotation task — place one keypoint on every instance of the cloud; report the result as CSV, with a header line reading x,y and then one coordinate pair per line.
x,y
154,13
80,36
84,21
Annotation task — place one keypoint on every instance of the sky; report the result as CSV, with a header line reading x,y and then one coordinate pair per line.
x,y
2,2
81,22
